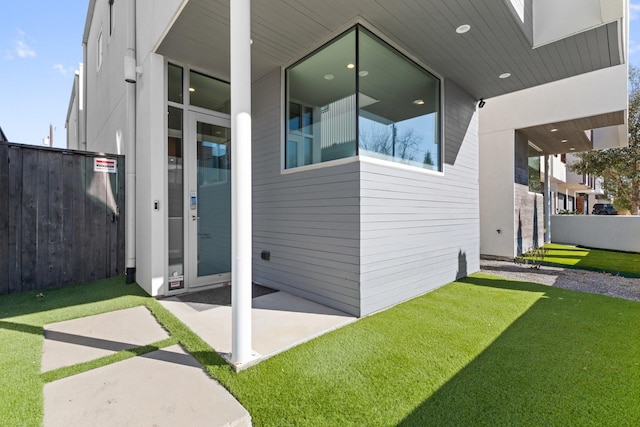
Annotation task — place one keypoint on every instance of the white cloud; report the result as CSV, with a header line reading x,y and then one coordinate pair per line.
x,y
21,48
634,11
62,69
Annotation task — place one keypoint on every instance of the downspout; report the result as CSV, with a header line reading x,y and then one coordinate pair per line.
x,y
547,199
130,150
241,226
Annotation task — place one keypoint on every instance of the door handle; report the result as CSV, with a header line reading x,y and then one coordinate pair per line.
x,y
194,218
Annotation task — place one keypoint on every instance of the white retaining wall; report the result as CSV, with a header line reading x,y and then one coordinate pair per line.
x,y
620,233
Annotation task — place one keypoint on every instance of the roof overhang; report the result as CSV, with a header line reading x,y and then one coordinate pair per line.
x,y
497,42
576,135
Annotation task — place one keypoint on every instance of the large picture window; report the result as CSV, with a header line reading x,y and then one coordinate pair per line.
x,y
359,96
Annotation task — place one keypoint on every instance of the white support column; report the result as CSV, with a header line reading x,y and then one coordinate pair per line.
x,y
547,199
241,234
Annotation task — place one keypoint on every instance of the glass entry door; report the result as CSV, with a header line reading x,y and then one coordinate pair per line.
x,y
208,201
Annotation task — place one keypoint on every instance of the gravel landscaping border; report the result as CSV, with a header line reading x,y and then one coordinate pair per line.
x,y
567,278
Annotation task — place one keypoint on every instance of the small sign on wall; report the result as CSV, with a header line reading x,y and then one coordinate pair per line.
x,y
101,164
176,282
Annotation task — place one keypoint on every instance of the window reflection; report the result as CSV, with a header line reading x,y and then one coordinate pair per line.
x,y
209,93
399,106
321,105
395,116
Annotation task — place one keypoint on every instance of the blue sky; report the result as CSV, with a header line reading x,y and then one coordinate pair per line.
x,y
40,49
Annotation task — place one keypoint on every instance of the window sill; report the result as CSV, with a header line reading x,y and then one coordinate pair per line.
x,y
361,159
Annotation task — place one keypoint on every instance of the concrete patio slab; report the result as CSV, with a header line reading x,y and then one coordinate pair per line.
x,y
162,388
280,321
88,338
167,386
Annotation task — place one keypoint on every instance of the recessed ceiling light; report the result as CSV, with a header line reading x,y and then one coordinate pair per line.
x,y
572,149
564,140
351,66
554,130
505,75
363,73
419,102
463,28
191,89
328,76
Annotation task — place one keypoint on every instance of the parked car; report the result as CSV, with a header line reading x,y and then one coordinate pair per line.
x,y
604,209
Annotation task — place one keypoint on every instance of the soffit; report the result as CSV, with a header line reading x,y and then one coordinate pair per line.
x,y
284,31
573,131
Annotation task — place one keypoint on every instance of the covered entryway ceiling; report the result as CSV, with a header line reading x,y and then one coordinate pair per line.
x,y
570,136
284,31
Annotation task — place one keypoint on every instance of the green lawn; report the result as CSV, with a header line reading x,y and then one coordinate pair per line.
x,y
22,317
623,263
482,351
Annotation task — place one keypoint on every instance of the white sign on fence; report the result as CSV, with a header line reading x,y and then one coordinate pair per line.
x,y
101,164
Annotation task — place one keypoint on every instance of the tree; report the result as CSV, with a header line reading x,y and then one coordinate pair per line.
x,y
385,140
427,158
619,167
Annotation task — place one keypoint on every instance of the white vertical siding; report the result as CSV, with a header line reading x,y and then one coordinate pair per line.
x,y
338,124
420,231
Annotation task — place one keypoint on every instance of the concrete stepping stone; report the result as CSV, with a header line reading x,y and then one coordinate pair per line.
x,y
80,340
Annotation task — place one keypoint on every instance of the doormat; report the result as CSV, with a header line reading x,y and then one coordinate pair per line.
x,y
222,295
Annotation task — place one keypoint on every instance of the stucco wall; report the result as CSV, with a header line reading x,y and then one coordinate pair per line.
x,y
497,175
607,92
151,159
105,85
620,233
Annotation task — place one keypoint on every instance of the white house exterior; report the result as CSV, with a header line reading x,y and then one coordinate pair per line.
x,y
576,113
368,148
570,192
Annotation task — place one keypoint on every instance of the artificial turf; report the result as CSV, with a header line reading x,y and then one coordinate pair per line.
x,y
481,351
623,263
22,317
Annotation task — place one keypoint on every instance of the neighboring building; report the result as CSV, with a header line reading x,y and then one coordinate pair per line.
x,y
367,142
3,137
570,192
75,122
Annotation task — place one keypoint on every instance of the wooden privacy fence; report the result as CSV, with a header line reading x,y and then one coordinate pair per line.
x,y
60,217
